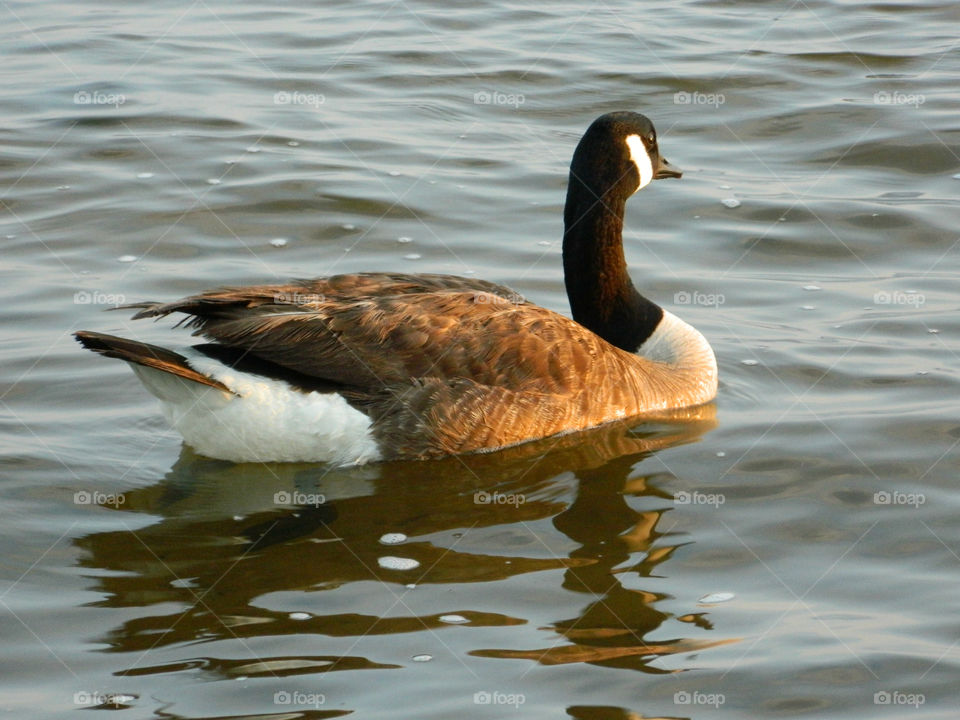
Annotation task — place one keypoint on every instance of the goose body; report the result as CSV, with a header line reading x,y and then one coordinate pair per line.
x,y
381,366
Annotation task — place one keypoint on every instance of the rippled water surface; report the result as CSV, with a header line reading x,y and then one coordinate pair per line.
x,y
791,552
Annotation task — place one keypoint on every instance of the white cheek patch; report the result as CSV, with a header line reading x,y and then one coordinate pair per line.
x,y
638,153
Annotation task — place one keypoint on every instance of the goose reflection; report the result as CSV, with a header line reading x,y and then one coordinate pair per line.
x,y
224,536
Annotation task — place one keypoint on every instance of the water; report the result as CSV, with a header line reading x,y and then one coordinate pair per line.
x,y
154,150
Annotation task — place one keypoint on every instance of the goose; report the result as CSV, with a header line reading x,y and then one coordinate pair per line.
x,y
382,366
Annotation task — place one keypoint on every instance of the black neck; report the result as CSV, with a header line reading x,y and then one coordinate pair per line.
x,y
602,296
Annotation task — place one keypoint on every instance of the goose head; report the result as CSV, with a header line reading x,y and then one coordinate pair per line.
x,y
618,155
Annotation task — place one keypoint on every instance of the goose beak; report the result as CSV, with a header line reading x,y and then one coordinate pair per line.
x,y
666,170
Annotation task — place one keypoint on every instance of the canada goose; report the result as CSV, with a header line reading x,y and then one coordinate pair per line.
x,y
385,366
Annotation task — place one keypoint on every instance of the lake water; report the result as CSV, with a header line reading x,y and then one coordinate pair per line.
x,y
792,551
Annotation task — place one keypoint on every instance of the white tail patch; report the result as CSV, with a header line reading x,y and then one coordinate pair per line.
x,y
266,421
641,158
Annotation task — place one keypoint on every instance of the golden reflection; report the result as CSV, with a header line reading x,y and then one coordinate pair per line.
x,y
223,536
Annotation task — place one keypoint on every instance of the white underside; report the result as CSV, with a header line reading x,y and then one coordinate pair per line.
x,y
266,421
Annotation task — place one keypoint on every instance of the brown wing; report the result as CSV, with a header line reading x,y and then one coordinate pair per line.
x,y
373,330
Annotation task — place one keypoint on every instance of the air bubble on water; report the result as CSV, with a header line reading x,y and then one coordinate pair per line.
x,y
724,187
145,175
717,597
404,239
213,181
253,149
422,658
127,258
279,242
453,619
392,538
349,226
299,616
751,362
63,187
933,331
389,562
545,243
730,202
412,256
957,176
812,288
293,143
721,453
806,307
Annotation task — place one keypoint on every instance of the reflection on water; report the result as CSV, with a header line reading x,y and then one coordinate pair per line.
x,y
221,546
